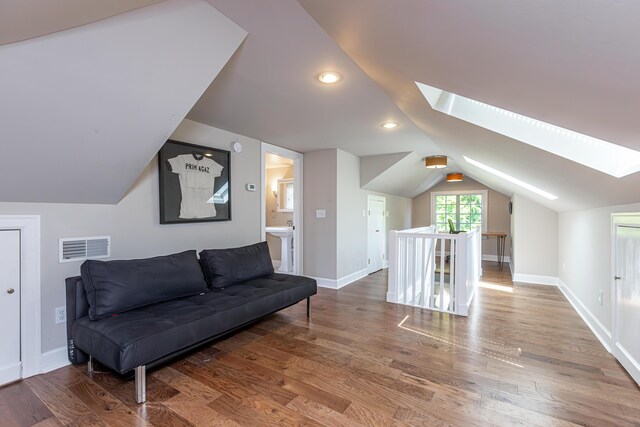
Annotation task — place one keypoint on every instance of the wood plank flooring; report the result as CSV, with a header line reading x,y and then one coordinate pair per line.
x,y
522,357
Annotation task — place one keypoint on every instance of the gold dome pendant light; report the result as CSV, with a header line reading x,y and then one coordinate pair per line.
x,y
435,162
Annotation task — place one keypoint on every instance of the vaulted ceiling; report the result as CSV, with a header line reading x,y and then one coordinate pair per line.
x,y
575,64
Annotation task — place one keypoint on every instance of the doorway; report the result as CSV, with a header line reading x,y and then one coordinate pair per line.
x,y
19,297
376,232
282,227
625,292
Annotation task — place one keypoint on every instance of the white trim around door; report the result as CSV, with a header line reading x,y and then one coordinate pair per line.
x,y
298,238
631,362
30,335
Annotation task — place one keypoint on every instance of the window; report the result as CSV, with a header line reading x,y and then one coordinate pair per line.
x,y
466,209
604,156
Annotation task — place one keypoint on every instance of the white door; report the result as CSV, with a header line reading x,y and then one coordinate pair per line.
x,y
376,232
626,298
10,366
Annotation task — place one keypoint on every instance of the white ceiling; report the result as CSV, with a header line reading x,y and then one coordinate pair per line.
x,y
84,111
268,90
272,161
25,19
574,63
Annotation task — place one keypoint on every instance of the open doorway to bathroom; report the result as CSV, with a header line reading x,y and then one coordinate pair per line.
x,y
282,207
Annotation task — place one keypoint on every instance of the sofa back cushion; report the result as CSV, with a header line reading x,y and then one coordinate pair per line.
x,y
225,267
117,286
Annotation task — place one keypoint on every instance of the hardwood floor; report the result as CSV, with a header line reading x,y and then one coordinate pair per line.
x,y
522,357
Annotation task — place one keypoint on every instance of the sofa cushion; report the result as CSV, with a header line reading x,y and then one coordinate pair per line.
x,y
117,286
141,336
226,267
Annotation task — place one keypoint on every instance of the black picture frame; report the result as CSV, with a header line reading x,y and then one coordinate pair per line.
x,y
195,168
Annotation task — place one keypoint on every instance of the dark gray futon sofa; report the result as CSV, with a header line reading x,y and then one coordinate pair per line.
x,y
132,315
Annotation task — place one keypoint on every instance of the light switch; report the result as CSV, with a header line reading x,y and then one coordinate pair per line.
x,y
321,213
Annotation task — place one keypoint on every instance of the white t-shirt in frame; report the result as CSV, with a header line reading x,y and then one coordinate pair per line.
x,y
197,179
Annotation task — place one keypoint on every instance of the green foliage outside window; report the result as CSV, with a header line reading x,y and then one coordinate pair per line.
x,y
465,210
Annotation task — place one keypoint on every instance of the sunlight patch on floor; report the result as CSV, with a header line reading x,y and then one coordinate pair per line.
x,y
505,358
495,287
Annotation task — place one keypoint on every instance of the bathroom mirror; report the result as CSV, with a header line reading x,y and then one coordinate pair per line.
x,y
285,195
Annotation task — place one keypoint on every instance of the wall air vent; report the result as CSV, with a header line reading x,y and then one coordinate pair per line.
x,y
81,248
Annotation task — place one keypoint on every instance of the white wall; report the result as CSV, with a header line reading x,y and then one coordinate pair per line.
x,y
336,247
351,225
319,192
584,258
536,242
134,226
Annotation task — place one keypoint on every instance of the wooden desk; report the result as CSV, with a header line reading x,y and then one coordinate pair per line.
x,y
501,238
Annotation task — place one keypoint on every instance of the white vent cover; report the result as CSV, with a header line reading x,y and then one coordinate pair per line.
x,y
81,248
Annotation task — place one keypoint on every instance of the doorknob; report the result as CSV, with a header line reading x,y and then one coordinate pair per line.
x,y
617,277
377,231
10,291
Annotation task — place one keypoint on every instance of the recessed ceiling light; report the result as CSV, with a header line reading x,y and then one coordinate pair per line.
x,y
389,125
329,77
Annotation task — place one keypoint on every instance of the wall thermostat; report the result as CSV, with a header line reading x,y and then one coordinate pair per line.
x,y
251,187
236,147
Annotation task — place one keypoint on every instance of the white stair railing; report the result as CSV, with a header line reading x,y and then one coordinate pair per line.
x,y
434,270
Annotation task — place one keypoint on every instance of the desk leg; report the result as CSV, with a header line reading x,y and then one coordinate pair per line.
x,y
501,244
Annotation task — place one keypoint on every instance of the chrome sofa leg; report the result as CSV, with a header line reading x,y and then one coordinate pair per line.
x,y
141,384
90,366
309,307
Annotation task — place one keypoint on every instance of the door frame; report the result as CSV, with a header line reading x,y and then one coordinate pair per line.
x,y
625,219
30,327
385,260
298,185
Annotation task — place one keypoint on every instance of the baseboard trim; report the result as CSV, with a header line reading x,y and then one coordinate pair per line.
x,y
598,329
341,282
535,279
495,258
54,359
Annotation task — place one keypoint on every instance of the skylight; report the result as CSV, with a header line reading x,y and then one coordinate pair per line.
x,y
511,179
603,156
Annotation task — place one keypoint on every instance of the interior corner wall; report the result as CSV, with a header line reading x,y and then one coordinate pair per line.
x,y
351,222
584,259
133,223
535,228
498,218
335,247
320,193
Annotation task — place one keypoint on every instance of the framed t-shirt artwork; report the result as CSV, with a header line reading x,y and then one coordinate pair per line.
x,y
195,183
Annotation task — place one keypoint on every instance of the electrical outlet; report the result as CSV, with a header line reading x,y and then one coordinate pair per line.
x,y
600,295
61,314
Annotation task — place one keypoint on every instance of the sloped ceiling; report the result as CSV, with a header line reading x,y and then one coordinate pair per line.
x,y
405,177
25,19
372,167
574,64
269,90
83,111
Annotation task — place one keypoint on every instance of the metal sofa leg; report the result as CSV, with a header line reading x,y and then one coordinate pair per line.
x,y
90,365
309,307
141,384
